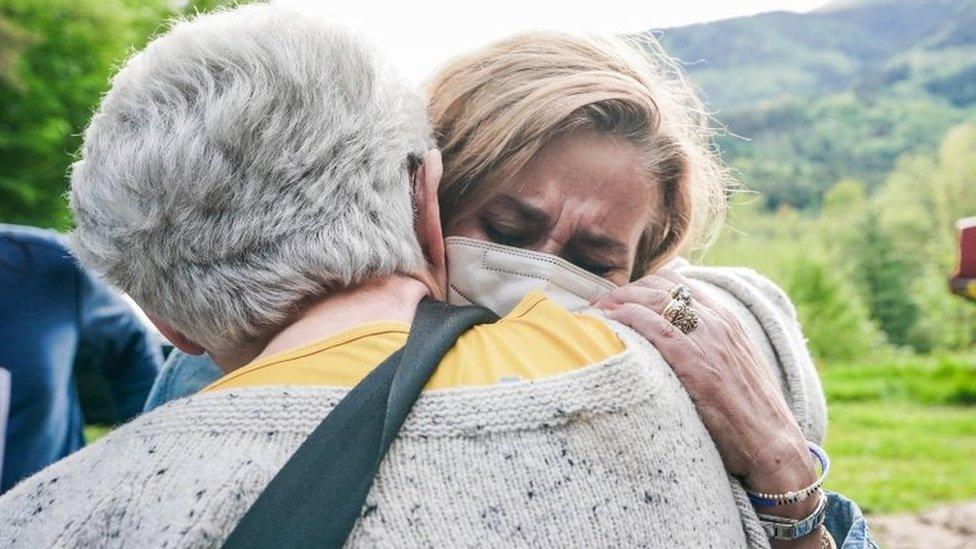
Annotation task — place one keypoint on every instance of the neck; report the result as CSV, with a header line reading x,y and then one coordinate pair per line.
x,y
393,298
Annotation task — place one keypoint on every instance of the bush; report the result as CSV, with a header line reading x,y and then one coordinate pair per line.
x,y
833,319
935,380
57,79
885,284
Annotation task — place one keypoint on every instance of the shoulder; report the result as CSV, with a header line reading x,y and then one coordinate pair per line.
x,y
747,285
38,262
33,237
540,314
770,319
146,483
44,509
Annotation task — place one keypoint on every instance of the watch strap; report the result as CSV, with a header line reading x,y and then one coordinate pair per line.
x,y
782,528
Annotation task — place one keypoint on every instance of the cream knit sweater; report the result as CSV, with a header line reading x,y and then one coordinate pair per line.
x,y
611,455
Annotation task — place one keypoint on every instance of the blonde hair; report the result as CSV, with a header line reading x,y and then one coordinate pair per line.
x,y
494,109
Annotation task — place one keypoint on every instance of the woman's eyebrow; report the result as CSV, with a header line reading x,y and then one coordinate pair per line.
x,y
531,215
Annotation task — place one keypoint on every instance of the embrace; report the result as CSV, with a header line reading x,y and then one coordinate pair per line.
x,y
479,290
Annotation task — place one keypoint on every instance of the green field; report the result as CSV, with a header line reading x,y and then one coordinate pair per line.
x,y
902,433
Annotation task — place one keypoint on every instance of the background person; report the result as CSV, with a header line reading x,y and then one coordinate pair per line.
x,y
50,310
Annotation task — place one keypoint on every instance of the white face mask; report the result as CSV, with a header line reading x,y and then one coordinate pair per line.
x,y
498,277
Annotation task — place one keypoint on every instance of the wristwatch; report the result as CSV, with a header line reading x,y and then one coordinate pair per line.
x,y
789,529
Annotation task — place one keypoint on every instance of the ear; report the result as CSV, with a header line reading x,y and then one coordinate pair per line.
x,y
427,219
176,337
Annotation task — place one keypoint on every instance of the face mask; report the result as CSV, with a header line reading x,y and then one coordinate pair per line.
x,y
498,277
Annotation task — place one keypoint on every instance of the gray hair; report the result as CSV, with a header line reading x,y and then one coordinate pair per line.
x,y
243,162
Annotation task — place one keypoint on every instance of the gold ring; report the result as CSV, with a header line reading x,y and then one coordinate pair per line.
x,y
681,315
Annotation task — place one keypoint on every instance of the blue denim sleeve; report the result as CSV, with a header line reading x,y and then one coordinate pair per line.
x,y
182,375
846,524
114,337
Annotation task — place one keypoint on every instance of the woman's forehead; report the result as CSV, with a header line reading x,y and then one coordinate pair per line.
x,y
587,176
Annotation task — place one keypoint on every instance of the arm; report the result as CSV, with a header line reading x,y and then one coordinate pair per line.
x,y
127,354
735,392
769,318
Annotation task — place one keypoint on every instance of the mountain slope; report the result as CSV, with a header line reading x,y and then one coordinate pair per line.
x,y
807,54
843,91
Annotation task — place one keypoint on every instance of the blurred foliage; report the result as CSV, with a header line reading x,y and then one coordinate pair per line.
x,y
795,152
96,431
868,271
884,281
13,41
56,58
834,319
194,6
58,78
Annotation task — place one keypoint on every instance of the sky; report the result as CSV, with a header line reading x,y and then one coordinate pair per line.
x,y
419,35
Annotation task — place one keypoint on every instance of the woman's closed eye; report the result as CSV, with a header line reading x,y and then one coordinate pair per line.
x,y
596,267
507,235
600,254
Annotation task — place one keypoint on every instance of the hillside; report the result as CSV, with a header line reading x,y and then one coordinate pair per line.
x,y
839,92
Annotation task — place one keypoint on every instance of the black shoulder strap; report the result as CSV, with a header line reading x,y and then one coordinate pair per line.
x,y
315,499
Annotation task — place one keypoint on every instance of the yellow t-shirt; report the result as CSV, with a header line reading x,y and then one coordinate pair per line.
x,y
536,340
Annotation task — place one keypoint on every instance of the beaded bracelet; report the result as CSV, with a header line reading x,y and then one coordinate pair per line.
x,y
826,540
769,500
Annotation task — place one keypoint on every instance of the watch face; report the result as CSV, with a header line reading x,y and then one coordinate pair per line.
x,y
782,528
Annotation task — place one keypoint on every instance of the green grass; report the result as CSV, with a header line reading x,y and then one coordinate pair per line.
x,y
95,432
947,379
902,432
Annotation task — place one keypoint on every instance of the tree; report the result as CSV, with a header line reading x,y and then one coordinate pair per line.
x,y
917,208
885,283
13,42
831,315
55,84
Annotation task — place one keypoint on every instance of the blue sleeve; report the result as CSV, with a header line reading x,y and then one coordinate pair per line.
x,y
846,524
128,355
182,375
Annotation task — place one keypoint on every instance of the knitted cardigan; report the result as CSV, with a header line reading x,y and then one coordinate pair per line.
x,y
613,454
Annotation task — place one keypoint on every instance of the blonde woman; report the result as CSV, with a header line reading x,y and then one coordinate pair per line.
x,y
612,126
596,151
